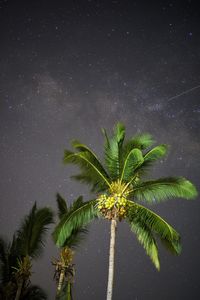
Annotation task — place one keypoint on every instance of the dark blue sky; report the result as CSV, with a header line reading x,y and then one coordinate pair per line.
x,y
69,68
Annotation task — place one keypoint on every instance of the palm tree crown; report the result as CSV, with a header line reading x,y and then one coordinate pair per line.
x,y
120,181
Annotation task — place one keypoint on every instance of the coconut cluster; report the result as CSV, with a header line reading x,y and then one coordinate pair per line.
x,y
113,206
66,256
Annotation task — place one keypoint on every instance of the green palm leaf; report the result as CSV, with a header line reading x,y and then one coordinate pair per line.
x,y
76,204
151,157
97,185
62,205
76,219
113,151
88,165
85,176
143,216
76,237
174,248
133,160
140,141
164,188
156,153
143,141
77,234
30,236
92,156
147,240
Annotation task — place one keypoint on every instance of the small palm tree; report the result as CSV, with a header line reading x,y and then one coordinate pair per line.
x,y
64,267
16,257
121,187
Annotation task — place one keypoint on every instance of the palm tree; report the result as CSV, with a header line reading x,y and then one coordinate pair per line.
x,y
16,257
13,270
121,187
64,268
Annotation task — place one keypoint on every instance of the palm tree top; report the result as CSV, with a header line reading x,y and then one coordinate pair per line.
x,y
126,162
65,212
121,186
32,231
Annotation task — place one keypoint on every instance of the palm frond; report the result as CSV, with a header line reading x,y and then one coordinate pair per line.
x,y
33,292
146,218
88,165
83,148
140,141
76,219
32,231
133,160
156,153
119,132
77,236
147,240
113,151
85,177
62,205
14,250
150,158
76,204
174,248
164,188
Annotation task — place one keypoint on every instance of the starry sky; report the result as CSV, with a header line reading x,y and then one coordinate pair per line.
x,y
69,68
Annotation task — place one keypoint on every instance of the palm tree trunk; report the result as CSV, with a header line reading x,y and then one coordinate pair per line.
x,y
71,285
61,279
19,290
69,291
111,259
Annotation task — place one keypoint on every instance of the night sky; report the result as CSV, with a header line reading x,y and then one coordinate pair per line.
x,y
69,68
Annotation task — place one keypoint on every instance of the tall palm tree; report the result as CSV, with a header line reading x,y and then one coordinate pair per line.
x,y
64,267
121,186
16,257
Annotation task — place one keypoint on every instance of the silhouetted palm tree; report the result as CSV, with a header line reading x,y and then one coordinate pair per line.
x,y
16,257
64,267
121,188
